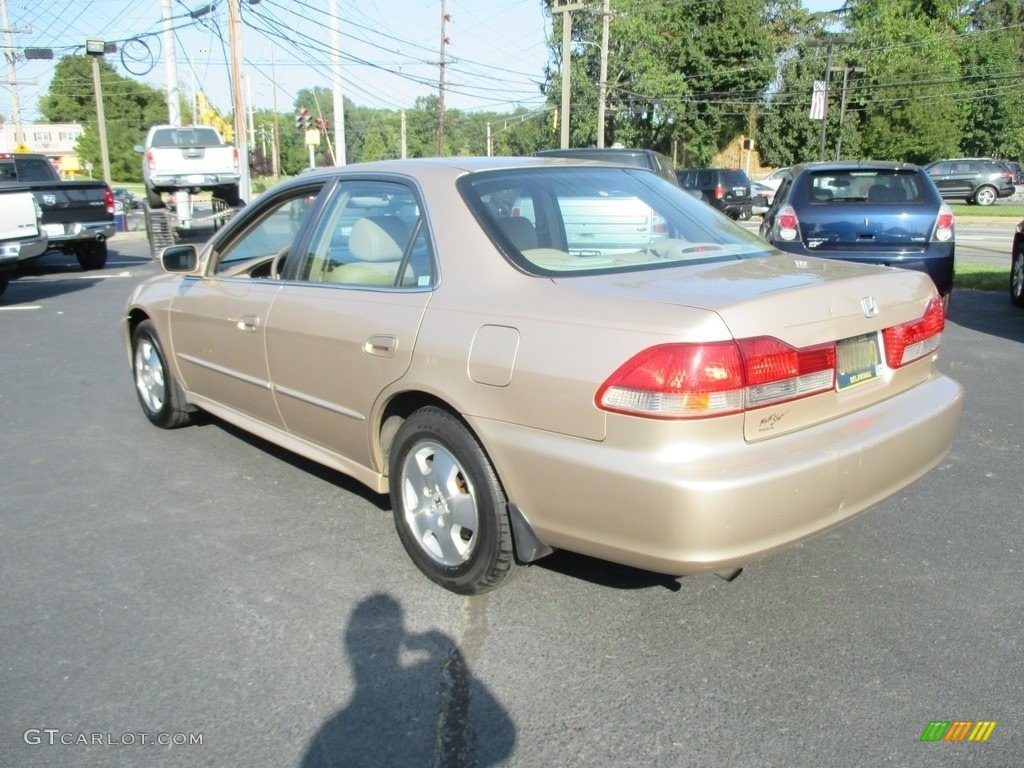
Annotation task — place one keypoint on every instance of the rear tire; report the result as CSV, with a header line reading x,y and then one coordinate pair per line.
x,y
1017,276
985,195
158,391
153,199
4,280
230,196
450,510
92,255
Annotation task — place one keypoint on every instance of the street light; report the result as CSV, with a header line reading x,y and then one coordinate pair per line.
x,y
95,50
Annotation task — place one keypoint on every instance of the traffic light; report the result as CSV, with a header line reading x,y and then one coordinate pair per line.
x,y
300,119
307,120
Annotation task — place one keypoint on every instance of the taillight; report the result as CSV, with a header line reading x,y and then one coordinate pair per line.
x,y
687,381
149,161
719,192
944,224
776,371
786,224
236,158
659,225
108,200
916,339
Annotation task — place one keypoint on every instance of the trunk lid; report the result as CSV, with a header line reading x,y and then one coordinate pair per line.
x,y
803,302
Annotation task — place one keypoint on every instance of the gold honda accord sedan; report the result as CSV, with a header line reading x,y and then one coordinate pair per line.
x,y
534,354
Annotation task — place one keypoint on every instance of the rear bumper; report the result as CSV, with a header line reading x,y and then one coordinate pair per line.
x,y
171,182
13,251
937,260
79,232
682,507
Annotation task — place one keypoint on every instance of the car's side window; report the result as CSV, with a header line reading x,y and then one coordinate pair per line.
x,y
270,233
371,234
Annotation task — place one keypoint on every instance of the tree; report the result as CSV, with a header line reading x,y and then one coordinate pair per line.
x,y
130,107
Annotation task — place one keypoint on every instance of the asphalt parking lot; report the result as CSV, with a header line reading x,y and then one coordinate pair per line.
x,y
202,585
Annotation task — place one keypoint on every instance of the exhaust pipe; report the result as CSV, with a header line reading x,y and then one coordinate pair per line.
x,y
100,237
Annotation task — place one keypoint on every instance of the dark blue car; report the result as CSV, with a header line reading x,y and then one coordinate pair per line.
x,y
889,214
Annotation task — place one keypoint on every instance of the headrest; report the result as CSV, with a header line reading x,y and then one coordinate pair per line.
x,y
520,231
378,238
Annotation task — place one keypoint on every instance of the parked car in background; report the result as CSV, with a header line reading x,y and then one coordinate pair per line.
x,y
775,178
1017,170
639,158
1017,266
888,214
761,197
194,158
976,180
726,189
77,215
681,406
22,237
125,199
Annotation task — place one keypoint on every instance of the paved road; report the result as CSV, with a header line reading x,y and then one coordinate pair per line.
x,y
201,582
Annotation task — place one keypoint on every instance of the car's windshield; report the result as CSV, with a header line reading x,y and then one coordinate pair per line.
x,y
586,220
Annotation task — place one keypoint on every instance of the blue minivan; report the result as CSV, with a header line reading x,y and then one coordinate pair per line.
x,y
883,213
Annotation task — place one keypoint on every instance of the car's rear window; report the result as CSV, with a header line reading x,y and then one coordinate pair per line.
x,y
865,186
584,220
735,178
186,137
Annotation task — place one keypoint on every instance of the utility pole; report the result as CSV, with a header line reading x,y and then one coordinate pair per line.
x,y
12,77
842,104
238,105
339,98
566,7
171,66
602,91
445,18
95,50
276,160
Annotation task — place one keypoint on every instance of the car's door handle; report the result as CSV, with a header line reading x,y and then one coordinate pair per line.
x,y
381,346
248,323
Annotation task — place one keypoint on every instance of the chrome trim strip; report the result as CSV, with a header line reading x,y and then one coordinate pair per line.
x,y
326,405
226,371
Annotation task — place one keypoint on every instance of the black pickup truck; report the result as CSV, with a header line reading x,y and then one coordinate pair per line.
x,y
77,216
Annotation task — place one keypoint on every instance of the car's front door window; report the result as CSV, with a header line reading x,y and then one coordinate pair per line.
x,y
273,231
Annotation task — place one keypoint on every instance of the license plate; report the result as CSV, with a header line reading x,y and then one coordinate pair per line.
x,y
197,179
53,230
857,360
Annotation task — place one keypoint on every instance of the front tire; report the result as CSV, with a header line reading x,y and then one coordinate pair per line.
x,y
450,510
92,255
985,195
159,394
1017,276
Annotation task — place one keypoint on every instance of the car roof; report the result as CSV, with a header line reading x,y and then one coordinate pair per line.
x,y
853,165
452,166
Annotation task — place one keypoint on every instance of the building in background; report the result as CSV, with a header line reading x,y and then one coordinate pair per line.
x,y
55,140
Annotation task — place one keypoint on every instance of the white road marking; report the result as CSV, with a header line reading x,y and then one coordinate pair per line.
x,y
22,306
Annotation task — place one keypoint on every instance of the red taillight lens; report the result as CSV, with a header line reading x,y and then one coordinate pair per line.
x,y
919,338
149,161
677,381
719,192
236,158
108,200
776,371
685,381
944,224
787,226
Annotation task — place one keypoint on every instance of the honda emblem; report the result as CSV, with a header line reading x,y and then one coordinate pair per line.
x,y
869,306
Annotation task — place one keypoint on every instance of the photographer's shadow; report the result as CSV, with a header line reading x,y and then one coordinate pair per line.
x,y
415,701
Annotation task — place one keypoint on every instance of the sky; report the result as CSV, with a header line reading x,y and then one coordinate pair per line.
x,y
495,56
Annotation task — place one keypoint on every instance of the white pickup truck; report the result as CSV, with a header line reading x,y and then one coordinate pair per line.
x,y
192,158
21,236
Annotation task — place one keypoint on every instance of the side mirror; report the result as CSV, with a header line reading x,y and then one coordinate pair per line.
x,y
179,258
139,148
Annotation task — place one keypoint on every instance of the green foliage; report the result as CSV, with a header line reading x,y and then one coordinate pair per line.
x,y
129,107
